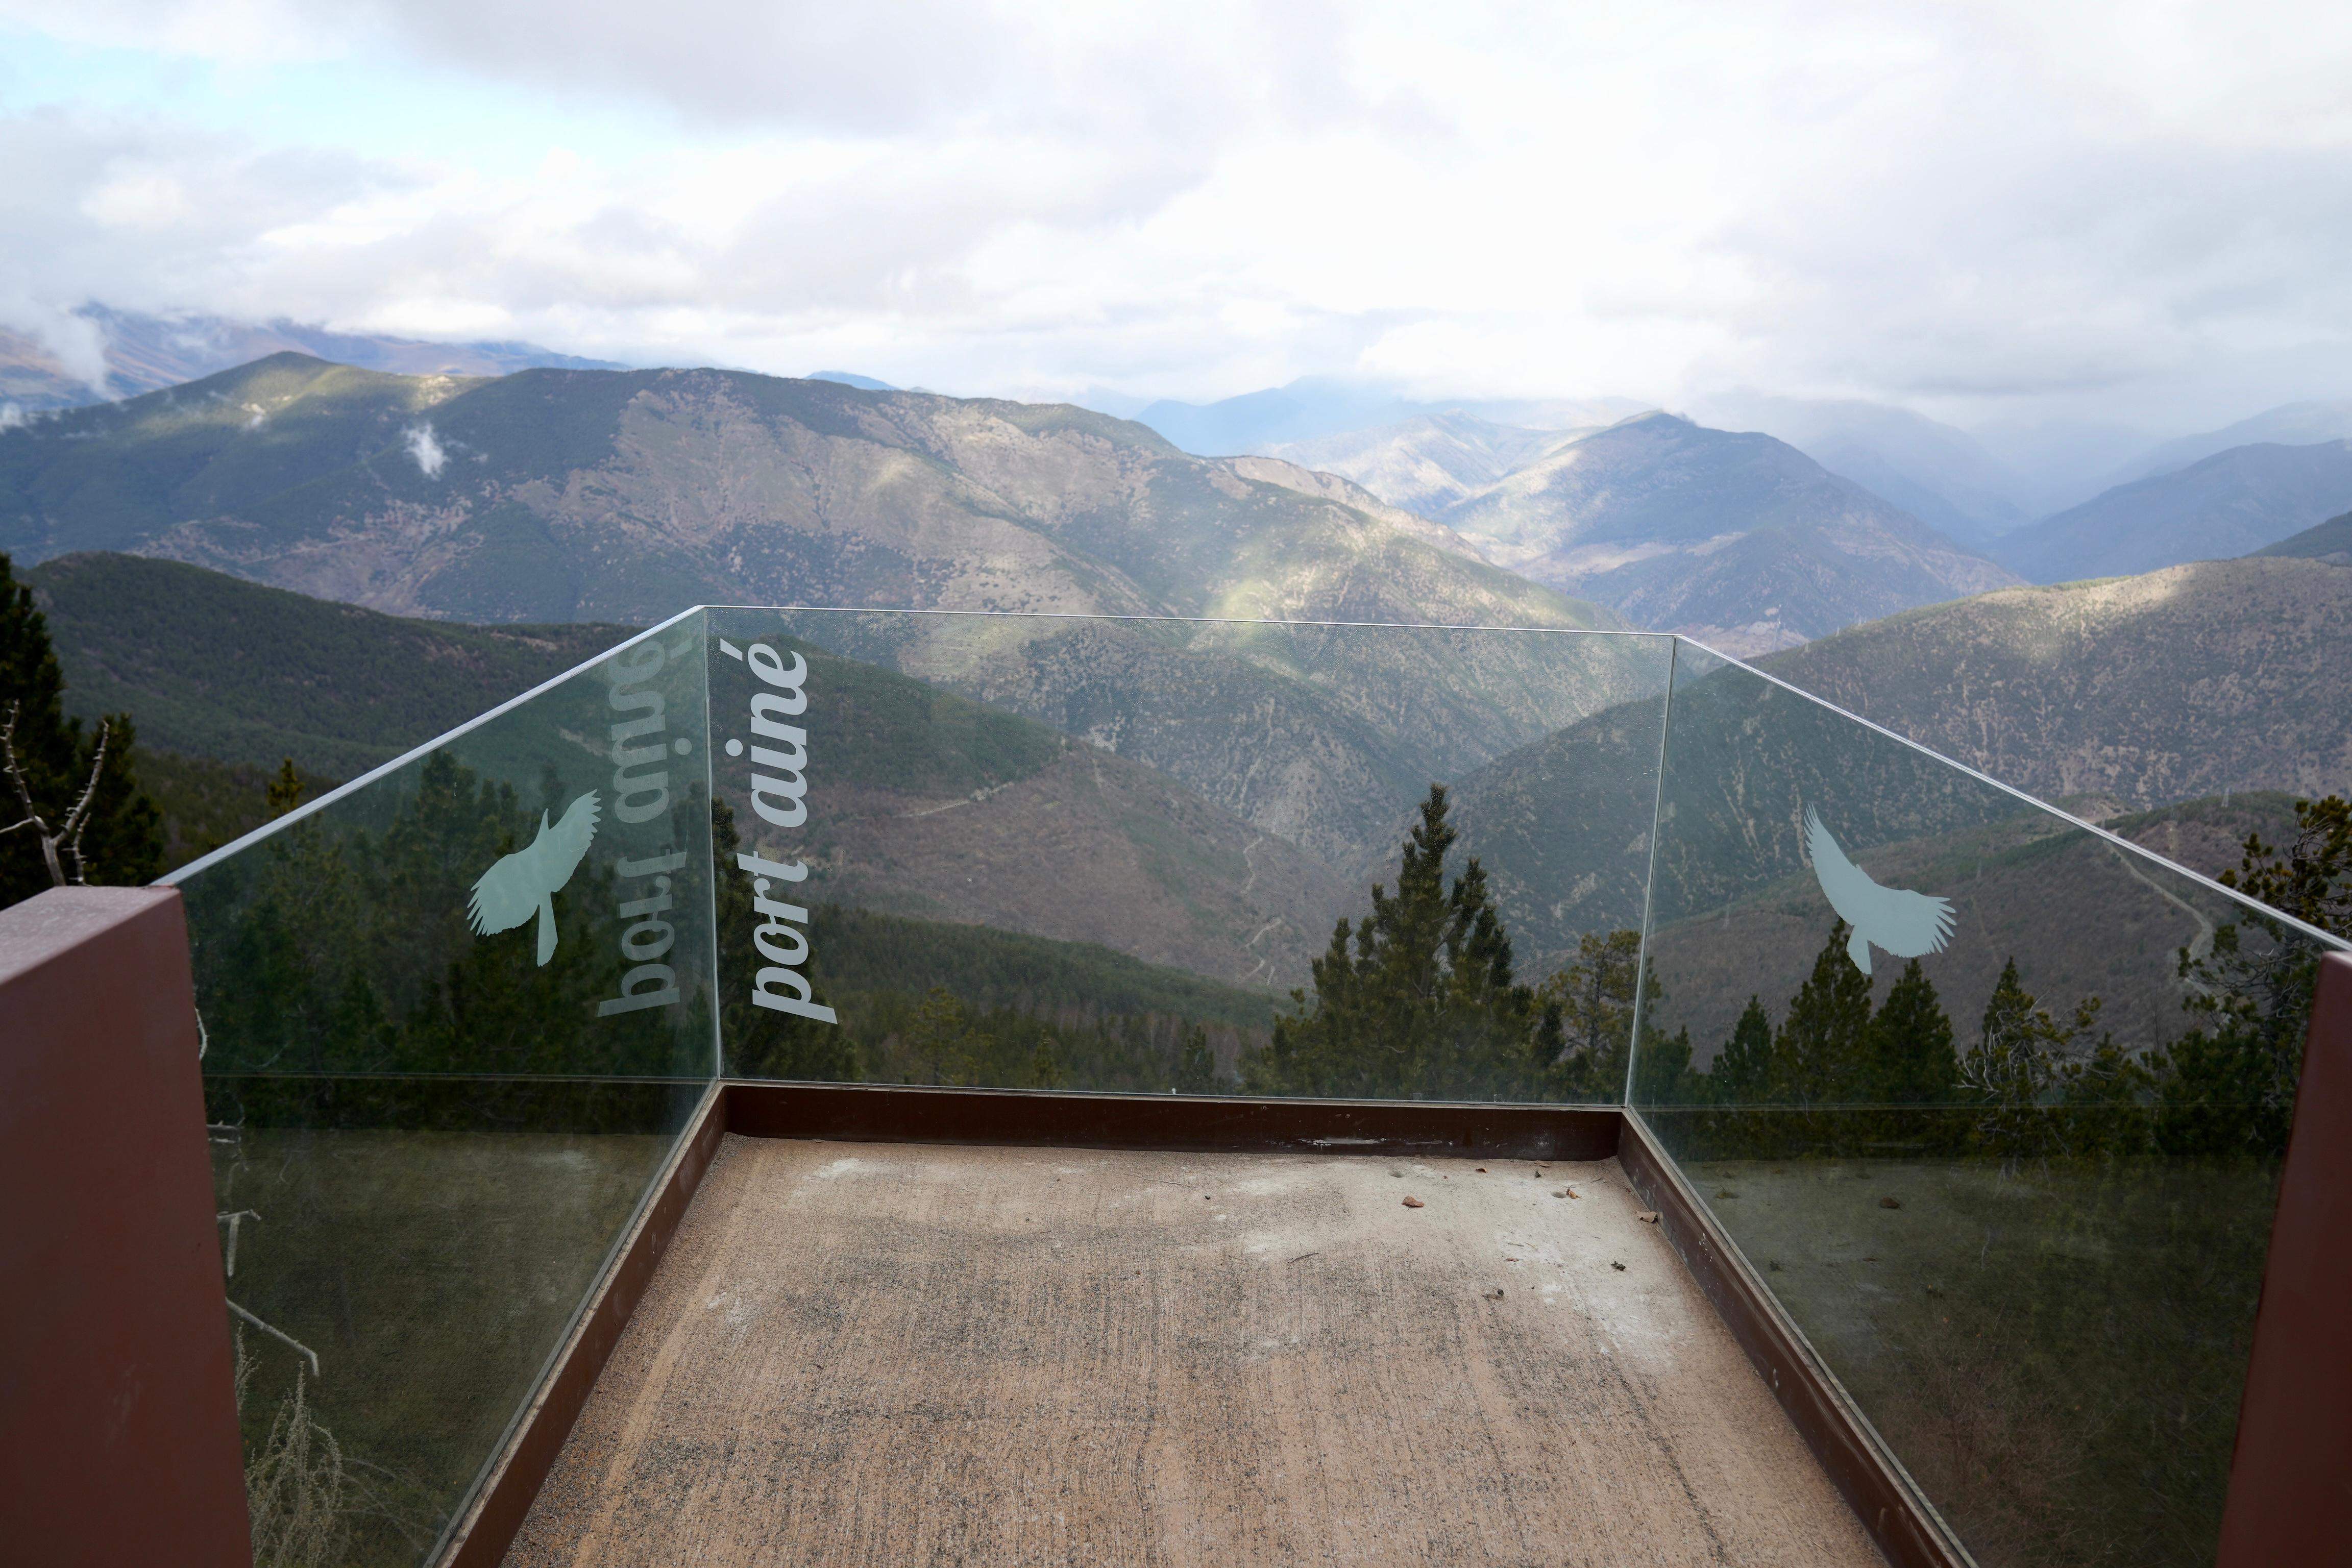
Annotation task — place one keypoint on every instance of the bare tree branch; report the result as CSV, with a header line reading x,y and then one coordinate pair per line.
x,y
67,836
77,819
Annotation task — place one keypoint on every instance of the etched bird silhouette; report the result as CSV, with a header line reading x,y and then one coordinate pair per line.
x,y
1905,923
525,883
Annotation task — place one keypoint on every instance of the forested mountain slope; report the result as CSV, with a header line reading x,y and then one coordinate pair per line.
x,y
2220,675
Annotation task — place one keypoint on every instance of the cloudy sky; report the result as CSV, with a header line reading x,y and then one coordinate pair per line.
x,y
2131,212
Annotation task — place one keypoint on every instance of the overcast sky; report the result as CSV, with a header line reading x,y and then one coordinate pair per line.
x,y
2139,212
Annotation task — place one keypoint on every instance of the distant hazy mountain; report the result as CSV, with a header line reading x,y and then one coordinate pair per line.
x,y
1316,407
147,353
839,378
1940,474
1740,540
2330,542
2059,462
558,495
1427,463
2222,675
2288,424
2229,504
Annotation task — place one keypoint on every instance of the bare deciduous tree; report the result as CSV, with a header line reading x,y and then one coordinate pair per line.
x,y
65,839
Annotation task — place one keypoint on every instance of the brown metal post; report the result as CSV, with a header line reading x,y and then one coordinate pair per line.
x,y
2291,1478
118,1410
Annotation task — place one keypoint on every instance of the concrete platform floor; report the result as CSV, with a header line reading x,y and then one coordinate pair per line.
x,y
910,1355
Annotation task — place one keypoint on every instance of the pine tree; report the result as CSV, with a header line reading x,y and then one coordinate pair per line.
x,y
1661,1074
1047,1069
1196,1064
1821,1053
1911,1059
1595,997
2229,1085
284,790
2018,1069
1418,1000
117,836
1742,1073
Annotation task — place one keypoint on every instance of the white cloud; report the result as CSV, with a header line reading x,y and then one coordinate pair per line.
x,y
426,447
1966,207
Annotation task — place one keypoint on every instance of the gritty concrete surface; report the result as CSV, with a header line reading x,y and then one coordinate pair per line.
x,y
899,1355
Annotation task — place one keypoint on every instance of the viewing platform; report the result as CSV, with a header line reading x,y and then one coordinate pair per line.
x,y
838,1087
896,1354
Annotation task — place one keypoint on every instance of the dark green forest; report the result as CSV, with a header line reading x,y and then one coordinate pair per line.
x,y
70,801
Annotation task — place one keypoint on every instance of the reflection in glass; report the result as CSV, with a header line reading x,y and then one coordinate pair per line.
x,y
1053,852
1992,1102
455,1016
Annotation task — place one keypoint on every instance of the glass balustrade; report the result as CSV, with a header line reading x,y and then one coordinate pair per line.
x,y
456,1015
1992,1101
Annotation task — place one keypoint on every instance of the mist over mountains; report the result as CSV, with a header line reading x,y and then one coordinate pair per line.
x,y
133,353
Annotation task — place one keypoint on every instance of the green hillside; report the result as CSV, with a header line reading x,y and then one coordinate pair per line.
x,y
2220,675
216,667
2330,542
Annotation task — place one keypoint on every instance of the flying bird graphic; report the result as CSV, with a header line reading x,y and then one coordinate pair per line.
x,y
525,883
1905,923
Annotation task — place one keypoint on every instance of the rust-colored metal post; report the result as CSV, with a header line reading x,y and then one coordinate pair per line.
x,y
118,1410
2291,1478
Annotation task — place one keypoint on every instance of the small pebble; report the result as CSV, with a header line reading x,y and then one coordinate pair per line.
x,y
1413,1203
1889,1203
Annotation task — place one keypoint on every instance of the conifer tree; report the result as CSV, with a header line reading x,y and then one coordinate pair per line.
x,y
1595,997
1661,1074
1911,1059
2017,1070
285,792
1418,1000
117,837
1196,1064
1742,1073
1822,1052
2229,1085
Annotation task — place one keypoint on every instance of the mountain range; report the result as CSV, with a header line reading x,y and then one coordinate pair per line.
x,y
2233,503
2182,708
1936,472
147,353
2288,424
586,495
2116,698
1739,540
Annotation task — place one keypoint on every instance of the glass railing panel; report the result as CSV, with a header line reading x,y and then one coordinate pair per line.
x,y
1086,853
1993,1103
455,1016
